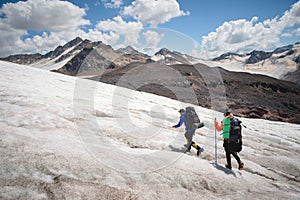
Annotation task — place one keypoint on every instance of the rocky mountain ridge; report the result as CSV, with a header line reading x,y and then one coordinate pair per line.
x,y
93,57
84,57
28,59
257,56
282,63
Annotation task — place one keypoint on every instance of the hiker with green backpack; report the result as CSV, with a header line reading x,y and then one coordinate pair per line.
x,y
191,121
232,135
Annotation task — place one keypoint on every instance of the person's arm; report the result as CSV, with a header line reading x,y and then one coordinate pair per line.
x,y
180,122
218,127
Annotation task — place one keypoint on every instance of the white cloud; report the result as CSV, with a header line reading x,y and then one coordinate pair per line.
x,y
234,36
129,30
48,41
297,32
112,3
196,49
242,36
37,44
107,38
58,22
152,38
42,15
9,39
154,12
292,16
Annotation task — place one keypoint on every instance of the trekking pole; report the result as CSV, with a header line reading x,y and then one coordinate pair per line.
x,y
216,152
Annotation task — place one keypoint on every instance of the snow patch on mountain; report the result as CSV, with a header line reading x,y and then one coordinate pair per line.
x,y
53,63
280,63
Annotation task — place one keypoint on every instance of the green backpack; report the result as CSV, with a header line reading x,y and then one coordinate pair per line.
x,y
226,128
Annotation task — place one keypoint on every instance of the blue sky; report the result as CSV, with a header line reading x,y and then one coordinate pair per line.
x,y
200,28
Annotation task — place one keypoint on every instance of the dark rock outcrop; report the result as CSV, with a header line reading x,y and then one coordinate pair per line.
x,y
60,49
24,59
256,56
283,49
74,65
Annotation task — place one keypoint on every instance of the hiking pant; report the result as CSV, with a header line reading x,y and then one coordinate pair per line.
x,y
189,139
235,155
227,146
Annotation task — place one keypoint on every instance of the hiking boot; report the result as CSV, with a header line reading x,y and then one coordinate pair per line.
x,y
241,166
227,166
200,150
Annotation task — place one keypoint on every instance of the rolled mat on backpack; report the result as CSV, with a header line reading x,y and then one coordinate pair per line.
x,y
226,128
198,125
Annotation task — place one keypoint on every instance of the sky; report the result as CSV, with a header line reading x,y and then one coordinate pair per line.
x,y
205,29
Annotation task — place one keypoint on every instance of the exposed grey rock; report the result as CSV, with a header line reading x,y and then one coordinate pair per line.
x,y
256,56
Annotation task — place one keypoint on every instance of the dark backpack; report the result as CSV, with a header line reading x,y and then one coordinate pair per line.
x,y
236,134
192,118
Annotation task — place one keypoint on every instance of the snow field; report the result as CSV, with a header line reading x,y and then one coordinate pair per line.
x,y
63,137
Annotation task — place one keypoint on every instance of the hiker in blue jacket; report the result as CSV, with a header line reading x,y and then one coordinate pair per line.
x,y
189,133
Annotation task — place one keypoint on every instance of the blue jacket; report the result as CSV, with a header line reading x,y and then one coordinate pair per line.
x,y
182,120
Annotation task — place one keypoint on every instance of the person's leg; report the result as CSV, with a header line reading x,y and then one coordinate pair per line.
x,y
189,141
196,146
235,155
228,159
193,144
241,164
227,153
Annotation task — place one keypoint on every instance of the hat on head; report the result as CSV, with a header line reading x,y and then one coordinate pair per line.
x,y
227,113
181,110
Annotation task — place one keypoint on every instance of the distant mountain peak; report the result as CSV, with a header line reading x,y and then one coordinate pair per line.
x,y
163,51
256,56
60,49
127,50
76,40
226,56
283,49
